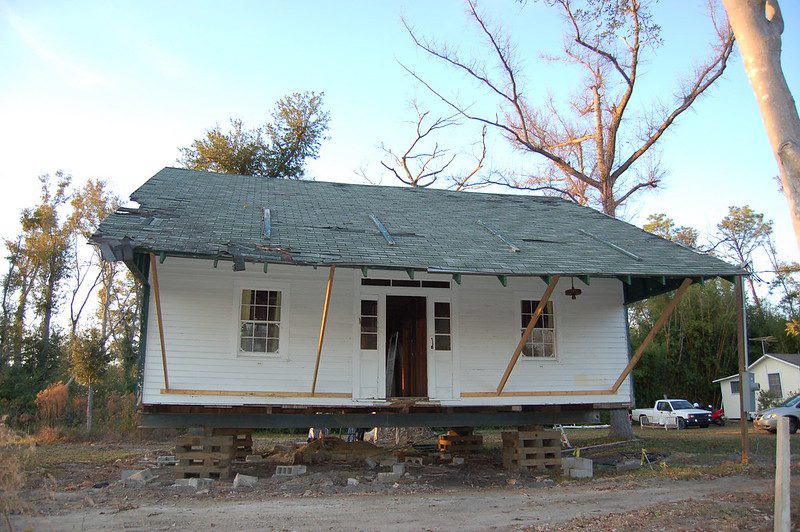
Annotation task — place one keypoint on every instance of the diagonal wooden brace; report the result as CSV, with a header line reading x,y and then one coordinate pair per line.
x,y
322,327
157,292
528,330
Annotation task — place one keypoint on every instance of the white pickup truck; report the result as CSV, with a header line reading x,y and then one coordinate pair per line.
x,y
678,413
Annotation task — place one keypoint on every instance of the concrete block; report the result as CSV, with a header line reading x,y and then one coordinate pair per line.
x,y
195,483
141,477
253,458
388,477
413,460
352,482
445,456
584,464
580,473
567,462
290,471
126,474
399,469
244,481
166,460
388,462
371,462
629,465
458,461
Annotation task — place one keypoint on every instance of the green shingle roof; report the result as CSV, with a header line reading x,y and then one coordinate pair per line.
x,y
184,212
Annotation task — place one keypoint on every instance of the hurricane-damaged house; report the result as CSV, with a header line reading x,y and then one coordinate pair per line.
x,y
270,301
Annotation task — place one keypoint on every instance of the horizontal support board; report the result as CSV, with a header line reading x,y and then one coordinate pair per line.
x,y
233,393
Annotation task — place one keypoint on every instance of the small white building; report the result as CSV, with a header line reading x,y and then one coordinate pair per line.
x,y
777,373
440,306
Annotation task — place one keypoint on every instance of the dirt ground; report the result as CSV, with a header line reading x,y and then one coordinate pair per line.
x,y
694,483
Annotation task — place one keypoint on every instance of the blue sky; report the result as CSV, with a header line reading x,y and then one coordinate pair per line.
x,y
112,90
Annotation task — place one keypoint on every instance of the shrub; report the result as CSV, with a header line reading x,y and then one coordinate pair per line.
x,y
51,403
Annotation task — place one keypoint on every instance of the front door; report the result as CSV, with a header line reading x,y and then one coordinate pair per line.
x,y
440,355
370,354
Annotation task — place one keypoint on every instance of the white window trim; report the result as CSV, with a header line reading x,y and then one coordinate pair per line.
x,y
283,340
522,296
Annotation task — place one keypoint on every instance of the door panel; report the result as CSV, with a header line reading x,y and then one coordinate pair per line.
x,y
440,354
371,348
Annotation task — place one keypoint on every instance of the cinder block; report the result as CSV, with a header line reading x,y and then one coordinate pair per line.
x,y
388,462
196,483
244,481
567,462
371,462
388,477
352,482
126,474
166,460
458,460
254,458
413,460
580,473
399,469
445,456
141,477
290,471
584,464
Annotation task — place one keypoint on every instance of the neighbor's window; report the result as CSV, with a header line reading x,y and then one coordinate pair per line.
x,y
369,324
542,341
260,322
734,386
774,380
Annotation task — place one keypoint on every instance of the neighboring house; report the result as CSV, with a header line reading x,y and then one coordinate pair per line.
x,y
778,374
398,301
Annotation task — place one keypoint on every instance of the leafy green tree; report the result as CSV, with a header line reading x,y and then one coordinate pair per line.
x,y
279,149
88,361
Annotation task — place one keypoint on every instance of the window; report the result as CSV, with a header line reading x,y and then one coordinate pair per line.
x,y
441,325
369,324
260,322
542,341
734,386
774,380
663,406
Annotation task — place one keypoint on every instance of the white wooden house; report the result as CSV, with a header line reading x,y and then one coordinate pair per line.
x,y
778,374
263,296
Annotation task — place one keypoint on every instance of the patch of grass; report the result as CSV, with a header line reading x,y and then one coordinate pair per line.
x,y
55,455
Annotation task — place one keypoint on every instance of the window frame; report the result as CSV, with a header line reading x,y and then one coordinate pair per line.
x,y
737,391
521,296
780,385
283,323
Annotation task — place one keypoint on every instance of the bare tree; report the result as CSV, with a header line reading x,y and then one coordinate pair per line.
x,y
595,148
758,25
424,161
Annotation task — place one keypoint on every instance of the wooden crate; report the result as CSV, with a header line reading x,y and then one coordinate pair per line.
x,y
204,456
532,450
456,443
242,441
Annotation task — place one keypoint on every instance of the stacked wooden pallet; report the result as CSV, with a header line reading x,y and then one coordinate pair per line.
x,y
532,449
204,456
460,441
242,441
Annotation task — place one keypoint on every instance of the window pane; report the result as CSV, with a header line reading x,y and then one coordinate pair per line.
x,y
274,313
441,310
538,350
247,329
260,330
260,313
275,298
273,330
547,336
247,312
547,350
526,308
247,344
527,350
272,345
442,342
369,308
734,386
247,297
369,325
260,345
442,326
369,341
261,297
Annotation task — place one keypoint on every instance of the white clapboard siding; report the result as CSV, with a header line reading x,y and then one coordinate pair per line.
x,y
200,312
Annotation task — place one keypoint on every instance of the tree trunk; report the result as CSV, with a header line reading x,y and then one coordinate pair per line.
x,y
620,425
89,407
757,26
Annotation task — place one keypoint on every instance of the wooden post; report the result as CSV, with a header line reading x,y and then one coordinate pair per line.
x,y
322,326
528,330
157,293
782,521
662,320
742,341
